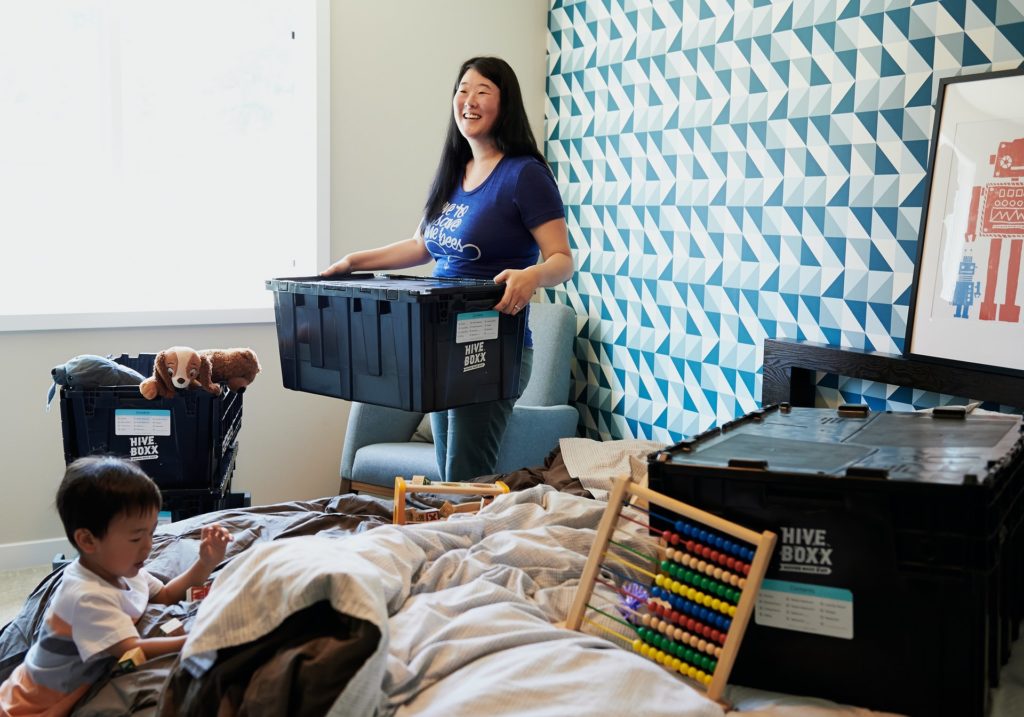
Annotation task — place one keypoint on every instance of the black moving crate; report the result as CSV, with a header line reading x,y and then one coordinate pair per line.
x,y
185,442
414,343
182,504
895,584
186,503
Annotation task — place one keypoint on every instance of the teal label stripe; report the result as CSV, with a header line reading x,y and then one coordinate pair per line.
x,y
819,591
477,315
144,412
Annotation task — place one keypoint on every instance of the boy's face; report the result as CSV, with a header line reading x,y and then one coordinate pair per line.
x,y
123,549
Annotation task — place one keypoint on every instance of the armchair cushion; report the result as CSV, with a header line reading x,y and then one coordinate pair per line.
x,y
529,435
370,425
379,463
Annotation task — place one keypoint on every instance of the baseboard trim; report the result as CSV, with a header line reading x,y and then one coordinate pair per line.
x,y
15,556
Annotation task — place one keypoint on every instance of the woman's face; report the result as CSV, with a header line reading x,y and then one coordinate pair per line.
x,y
476,105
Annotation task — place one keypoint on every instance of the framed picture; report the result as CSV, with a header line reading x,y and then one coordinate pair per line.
x,y
968,290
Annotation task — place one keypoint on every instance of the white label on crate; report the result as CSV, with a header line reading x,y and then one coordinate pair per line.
x,y
142,422
801,607
476,326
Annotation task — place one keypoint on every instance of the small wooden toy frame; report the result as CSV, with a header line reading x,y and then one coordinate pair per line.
x,y
762,545
419,484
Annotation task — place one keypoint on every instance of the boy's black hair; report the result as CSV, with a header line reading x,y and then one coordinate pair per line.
x,y
95,489
511,131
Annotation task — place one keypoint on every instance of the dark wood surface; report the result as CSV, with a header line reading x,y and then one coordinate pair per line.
x,y
790,366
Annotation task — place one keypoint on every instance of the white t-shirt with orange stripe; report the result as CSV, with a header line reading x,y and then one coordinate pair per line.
x,y
86,616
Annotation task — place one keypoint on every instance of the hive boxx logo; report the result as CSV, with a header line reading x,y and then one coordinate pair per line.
x,y
476,356
805,550
144,448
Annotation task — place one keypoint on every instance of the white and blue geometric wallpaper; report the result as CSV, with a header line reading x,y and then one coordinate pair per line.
x,y
740,170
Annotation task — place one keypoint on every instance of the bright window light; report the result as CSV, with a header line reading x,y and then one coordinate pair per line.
x,y
159,161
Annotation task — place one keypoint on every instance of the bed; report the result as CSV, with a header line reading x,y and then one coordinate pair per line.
x,y
324,607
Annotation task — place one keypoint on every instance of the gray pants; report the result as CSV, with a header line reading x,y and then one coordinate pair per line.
x,y
466,439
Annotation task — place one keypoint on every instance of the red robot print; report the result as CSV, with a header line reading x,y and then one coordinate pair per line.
x,y
997,214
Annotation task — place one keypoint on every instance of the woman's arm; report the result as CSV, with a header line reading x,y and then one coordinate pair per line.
x,y
399,255
555,267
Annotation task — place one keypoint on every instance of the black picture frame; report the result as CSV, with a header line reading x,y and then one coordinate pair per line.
x,y
965,312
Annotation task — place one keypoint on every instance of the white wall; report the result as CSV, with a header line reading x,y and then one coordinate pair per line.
x,y
395,64
392,65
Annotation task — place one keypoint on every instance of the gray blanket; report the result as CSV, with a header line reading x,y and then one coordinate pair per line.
x,y
466,610
452,618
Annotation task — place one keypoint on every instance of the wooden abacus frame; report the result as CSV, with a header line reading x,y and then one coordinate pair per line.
x,y
763,542
419,484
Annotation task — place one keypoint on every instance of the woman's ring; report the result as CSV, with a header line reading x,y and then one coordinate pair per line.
x,y
515,307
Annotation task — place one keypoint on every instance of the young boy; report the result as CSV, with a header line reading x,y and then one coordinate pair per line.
x,y
109,510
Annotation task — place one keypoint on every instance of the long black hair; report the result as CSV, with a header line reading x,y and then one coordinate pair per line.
x,y
511,131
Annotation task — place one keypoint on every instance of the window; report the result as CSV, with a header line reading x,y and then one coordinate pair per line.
x,y
159,161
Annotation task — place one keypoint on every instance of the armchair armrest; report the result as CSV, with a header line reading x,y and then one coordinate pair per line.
x,y
532,433
368,424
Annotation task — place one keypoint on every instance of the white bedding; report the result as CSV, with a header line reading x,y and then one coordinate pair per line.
x,y
466,611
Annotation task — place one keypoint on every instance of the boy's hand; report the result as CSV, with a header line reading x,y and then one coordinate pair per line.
x,y
213,544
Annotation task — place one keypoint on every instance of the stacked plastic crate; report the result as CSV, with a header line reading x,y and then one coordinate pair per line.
x,y
186,444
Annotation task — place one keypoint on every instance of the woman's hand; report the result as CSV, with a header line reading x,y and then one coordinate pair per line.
x,y
399,255
213,544
519,287
556,266
342,266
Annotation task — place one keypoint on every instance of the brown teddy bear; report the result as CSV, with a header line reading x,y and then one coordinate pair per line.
x,y
182,367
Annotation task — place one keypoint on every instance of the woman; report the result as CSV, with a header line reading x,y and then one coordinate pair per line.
x,y
493,208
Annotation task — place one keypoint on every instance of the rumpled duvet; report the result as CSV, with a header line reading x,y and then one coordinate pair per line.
x,y
465,612
315,613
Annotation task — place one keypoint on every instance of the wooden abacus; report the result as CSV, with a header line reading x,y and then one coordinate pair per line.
x,y
704,587
403,515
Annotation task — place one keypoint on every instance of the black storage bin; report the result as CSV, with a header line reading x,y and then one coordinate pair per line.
x,y
185,442
895,584
183,504
414,343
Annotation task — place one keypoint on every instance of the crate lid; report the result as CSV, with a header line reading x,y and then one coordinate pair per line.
x,y
904,447
390,287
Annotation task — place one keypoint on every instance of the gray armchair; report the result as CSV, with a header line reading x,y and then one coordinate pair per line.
x,y
378,440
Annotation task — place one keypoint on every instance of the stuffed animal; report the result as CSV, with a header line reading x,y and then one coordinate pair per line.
x,y
181,367
235,367
90,371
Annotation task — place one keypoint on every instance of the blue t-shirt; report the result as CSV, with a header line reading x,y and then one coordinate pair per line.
x,y
486,230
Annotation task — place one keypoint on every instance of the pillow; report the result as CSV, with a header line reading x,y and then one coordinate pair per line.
x,y
597,463
423,432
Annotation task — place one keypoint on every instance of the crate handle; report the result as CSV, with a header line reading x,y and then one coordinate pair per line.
x,y
752,464
788,495
477,305
370,321
875,473
310,320
853,410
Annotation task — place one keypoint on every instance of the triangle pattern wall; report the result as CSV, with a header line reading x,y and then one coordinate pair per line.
x,y
735,171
